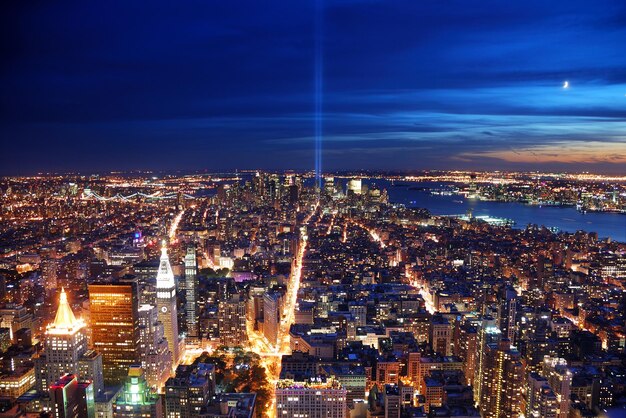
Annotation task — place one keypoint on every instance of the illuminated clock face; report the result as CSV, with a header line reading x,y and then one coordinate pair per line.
x,y
164,309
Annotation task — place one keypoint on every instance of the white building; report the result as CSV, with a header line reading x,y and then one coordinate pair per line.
x,y
66,342
155,355
65,351
166,304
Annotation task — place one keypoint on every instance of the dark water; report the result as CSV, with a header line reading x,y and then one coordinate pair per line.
x,y
566,219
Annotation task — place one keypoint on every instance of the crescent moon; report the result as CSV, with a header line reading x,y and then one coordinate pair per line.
x,y
566,85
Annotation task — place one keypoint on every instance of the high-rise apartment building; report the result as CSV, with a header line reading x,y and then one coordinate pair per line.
x,y
166,304
487,334
541,401
559,378
115,327
503,377
507,311
392,401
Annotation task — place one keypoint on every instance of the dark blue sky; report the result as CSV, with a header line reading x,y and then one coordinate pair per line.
x,y
217,85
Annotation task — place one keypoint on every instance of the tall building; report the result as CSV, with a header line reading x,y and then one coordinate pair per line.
x,y
136,400
155,355
90,368
488,334
441,331
559,378
232,321
271,319
502,382
540,398
187,395
65,351
166,303
507,311
468,351
115,327
65,344
191,292
359,314
392,401
71,398
317,398
49,270
354,186
329,185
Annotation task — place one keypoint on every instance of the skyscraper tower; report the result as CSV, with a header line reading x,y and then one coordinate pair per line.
x,y
156,358
487,334
560,379
503,381
115,327
507,311
191,289
271,320
166,303
66,342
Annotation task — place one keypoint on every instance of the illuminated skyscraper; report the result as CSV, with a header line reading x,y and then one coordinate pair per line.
x,y
156,358
507,311
271,321
488,334
540,399
559,377
503,378
65,351
166,303
71,398
329,185
191,292
49,270
136,400
354,186
65,344
115,327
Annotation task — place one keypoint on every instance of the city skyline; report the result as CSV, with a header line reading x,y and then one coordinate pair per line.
x,y
313,209
260,295
406,86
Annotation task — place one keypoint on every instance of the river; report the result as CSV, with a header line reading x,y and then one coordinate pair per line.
x,y
566,219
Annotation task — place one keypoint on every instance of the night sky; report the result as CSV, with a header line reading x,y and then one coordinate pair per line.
x,y
407,85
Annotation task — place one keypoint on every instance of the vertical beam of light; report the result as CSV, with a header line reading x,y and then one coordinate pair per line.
x,y
319,61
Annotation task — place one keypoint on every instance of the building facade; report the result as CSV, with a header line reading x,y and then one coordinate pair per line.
x,y
312,399
115,327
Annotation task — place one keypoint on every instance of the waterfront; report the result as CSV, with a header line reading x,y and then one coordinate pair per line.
x,y
566,219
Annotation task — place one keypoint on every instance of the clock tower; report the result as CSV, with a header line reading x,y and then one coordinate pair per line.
x,y
166,303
